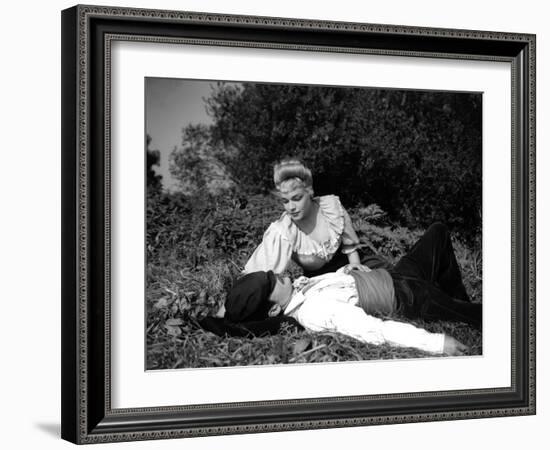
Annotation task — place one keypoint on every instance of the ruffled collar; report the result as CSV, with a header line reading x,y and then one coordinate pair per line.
x,y
333,213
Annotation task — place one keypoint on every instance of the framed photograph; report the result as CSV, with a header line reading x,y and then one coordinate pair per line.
x,y
268,222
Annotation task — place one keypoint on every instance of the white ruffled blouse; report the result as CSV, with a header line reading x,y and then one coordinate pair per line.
x,y
283,241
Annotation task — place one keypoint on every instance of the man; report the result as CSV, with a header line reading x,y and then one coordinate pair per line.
x,y
426,283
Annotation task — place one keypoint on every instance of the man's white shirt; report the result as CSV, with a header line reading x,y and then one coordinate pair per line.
x,y
329,302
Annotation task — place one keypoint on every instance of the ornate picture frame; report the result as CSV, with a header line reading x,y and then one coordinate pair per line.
x,y
88,33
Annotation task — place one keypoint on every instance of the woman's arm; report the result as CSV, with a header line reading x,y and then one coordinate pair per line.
x,y
355,263
353,257
350,240
273,253
350,243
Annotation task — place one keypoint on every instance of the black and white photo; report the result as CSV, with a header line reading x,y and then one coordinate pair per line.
x,y
277,224
258,192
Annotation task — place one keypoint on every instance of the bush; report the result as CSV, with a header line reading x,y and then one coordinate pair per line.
x,y
416,154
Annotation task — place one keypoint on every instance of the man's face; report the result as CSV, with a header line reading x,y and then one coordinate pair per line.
x,y
282,291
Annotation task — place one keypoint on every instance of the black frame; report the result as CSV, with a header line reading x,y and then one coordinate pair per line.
x,y
87,31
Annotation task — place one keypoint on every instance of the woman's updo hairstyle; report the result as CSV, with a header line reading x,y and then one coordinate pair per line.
x,y
291,173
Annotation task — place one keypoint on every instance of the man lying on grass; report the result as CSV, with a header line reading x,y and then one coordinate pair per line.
x,y
425,284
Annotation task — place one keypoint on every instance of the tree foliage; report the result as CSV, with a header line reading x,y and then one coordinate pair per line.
x,y
194,164
415,153
154,182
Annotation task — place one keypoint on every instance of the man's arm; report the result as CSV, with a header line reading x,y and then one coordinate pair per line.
x,y
352,321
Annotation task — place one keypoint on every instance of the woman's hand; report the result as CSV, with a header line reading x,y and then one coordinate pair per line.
x,y
299,283
355,263
356,266
452,347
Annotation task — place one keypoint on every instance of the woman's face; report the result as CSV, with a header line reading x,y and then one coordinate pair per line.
x,y
297,202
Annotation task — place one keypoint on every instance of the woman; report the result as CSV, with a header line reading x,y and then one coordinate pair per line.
x,y
314,232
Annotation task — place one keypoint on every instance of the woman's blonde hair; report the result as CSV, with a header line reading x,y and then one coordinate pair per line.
x,y
292,173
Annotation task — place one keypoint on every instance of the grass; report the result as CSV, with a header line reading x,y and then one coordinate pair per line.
x,y
194,253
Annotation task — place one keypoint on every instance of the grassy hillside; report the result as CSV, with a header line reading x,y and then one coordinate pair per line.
x,y
195,249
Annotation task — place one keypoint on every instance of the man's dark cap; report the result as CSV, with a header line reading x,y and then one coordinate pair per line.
x,y
248,299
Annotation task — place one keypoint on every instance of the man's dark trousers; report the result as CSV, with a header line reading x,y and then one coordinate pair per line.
x,y
428,283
